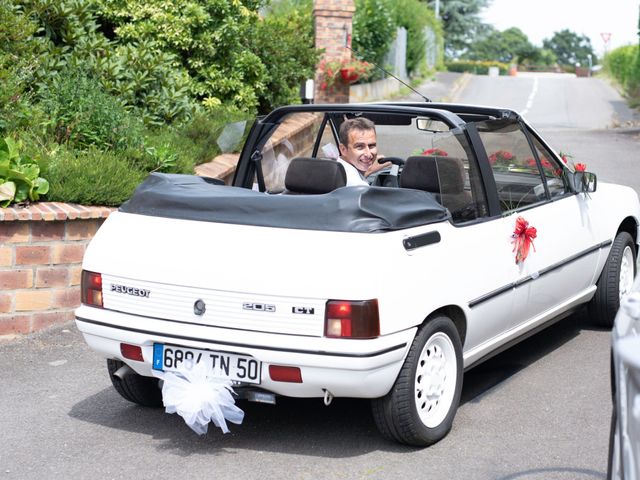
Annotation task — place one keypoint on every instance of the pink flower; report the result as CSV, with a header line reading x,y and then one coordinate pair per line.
x,y
580,167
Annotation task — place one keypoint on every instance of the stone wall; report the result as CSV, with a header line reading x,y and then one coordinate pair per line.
x,y
41,250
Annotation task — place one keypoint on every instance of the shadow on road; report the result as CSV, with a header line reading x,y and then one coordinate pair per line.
x,y
497,370
305,426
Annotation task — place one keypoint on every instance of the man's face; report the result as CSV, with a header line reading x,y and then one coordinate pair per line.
x,y
362,149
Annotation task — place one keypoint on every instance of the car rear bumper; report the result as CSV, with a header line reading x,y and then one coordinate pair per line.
x,y
345,368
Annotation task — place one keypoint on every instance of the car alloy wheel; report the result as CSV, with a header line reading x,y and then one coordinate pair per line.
x,y
435,379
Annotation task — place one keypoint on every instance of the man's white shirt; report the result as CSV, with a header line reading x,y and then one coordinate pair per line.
x,y
354,177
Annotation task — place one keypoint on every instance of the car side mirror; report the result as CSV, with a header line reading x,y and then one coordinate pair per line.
x,y
583,182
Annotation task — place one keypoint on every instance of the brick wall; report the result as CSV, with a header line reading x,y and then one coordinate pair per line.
x,y
41,249
333,20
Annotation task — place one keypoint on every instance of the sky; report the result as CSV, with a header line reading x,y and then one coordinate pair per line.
x,y
539,19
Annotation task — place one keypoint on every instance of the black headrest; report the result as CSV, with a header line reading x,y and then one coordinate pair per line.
x,y
433,174
314,176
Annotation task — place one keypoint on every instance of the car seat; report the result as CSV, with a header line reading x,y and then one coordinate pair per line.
x,y
314,176
444,177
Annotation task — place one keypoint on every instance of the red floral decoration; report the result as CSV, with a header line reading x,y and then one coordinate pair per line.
x,y
546,164
523,236
568,159
435,151
501,158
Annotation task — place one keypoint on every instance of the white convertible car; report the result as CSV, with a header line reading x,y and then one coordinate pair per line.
x,y
291,283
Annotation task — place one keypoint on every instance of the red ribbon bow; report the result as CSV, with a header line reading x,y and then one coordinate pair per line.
x,y
523,236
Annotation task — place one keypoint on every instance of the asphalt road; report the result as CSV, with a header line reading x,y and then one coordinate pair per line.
x,y
537,411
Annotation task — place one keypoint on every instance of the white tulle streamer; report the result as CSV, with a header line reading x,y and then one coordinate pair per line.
x,y
199,396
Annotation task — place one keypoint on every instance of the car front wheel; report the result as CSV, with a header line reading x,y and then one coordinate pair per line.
x,y
615,280
420,407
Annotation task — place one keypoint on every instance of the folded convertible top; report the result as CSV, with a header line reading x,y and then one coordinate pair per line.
x,y
347,209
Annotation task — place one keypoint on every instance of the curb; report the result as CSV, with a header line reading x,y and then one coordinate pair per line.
x,y
458,86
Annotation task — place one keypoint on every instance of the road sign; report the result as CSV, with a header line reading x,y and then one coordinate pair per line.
x,y
606,36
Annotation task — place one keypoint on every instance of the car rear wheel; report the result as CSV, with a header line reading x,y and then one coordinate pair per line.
x,y
136,388
420,408
615,280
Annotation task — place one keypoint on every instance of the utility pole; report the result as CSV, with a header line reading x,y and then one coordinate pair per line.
x,y
438,9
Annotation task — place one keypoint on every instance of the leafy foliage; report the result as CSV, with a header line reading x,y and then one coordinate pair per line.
x,y
570,48
623,64
480,67
508,46
209,38
374,29
461,23
91,177
19,176
82,113
285,42
19,60
415,16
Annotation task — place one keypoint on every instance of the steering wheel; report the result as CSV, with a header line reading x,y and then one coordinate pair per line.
x,y
395,160
391,179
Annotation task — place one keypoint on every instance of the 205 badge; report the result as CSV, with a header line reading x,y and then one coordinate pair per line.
x,y
259,307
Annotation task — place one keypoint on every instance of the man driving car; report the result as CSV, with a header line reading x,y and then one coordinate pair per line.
x,y
358,150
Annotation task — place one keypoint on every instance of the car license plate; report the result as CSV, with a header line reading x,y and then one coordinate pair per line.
x,y
239,368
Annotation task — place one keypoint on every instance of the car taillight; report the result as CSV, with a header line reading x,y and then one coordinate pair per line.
x,y
91,287
351,319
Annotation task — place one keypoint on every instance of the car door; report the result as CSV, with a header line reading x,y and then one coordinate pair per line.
x,y
532,186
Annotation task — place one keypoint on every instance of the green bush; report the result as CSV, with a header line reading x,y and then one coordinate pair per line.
x,y
90,177
81,114
622,64
19,60
374,29
285,43
477,67
415,16
211,40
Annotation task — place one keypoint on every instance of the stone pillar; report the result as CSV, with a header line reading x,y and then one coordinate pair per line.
x,y
333,19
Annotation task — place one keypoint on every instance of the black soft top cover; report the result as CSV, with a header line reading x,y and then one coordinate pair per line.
x,y
347,209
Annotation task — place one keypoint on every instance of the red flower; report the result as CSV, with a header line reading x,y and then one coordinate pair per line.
x,y
501,157
580,167
435,151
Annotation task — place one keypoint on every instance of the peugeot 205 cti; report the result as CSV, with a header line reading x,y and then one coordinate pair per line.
x,y
293,284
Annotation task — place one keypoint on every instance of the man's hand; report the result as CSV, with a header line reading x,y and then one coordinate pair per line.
x,y
377,166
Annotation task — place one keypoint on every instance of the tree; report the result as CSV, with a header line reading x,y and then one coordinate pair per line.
x,y
508,46
462,24
570,48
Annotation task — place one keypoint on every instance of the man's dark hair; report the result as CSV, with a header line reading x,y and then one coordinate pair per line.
x,y
358,123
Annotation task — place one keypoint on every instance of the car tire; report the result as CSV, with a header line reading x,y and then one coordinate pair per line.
x,y
136,388
411,415
615,280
